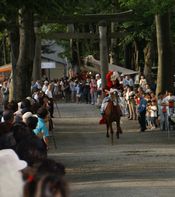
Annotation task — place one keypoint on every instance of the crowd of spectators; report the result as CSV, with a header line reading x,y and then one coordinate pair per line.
x,y
75,90
24,127
24,141
139,102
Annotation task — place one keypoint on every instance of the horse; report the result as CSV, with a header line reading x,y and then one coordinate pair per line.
x,y
112,114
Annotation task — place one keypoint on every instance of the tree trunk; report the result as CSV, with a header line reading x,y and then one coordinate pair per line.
x,y
148,57
135,60
4,49
165,53
127,55
103,54
73,49
114,56
14,42
24,66
37,58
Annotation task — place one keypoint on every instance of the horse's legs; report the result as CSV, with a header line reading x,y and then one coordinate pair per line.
x,y
112,132
107,127
119,130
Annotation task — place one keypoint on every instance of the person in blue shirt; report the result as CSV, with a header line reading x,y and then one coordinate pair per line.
x,y
142,112
41,129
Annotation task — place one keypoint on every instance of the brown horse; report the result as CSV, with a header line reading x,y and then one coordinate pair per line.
x,y
112,114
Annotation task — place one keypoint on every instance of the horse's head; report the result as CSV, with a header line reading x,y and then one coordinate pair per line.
x,y
113,94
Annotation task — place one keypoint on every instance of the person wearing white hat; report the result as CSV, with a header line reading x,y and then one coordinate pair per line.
x,y
11,182
8,156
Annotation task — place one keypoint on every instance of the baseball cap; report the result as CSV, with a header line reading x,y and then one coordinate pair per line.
x,y
9,157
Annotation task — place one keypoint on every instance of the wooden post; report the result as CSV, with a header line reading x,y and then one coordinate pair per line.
x,y
103,52
37,58
70,29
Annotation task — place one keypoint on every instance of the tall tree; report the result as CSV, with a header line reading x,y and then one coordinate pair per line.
x,y
161,10
165,53
18,16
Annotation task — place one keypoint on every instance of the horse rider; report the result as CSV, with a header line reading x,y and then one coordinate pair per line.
x,y
112,94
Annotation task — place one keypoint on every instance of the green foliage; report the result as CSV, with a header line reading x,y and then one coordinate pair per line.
x,y
148,7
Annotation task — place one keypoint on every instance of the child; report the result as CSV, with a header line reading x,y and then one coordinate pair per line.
x,y
148,115
153,114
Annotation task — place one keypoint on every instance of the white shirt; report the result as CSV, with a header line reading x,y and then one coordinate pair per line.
x,y
99,84
153,111
49,93
44,88
143,82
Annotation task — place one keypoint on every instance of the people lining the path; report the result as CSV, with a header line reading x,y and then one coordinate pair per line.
x,y
24,132
24,126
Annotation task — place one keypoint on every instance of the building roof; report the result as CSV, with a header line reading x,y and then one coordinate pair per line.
x,y
6,68
112,67
52,51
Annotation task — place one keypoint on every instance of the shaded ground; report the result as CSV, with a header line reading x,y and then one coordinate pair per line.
x,y
138,164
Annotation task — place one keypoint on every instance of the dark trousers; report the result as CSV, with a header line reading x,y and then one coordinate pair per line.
x,y
142,120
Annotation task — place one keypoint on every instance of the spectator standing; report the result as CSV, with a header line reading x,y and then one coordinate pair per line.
x,y
86,91
11,182
142,82
99,89
142,112
130,81
126,81
72,85
93,91
45,86
41,129
153,114
78,91
5,93
48,92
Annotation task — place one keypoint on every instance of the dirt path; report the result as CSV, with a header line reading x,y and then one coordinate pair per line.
x,y
138,164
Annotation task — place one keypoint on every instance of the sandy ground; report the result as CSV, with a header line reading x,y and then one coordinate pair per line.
x,y
137,165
